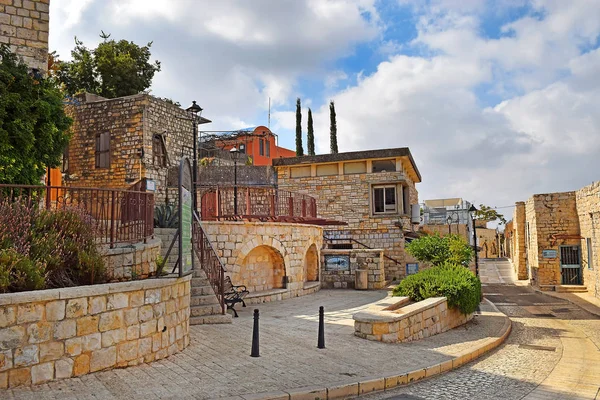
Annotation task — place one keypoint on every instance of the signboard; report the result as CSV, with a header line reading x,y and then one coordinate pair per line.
x,y
150,185
337,263
412,268
549,253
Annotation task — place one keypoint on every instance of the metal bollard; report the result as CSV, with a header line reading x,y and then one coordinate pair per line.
x,y
255,350
321,341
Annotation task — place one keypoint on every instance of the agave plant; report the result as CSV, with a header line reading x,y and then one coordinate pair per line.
x,y
166,216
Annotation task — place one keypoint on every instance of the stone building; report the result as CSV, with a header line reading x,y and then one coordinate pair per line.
x,y
554,240
117,143
373,192
24,27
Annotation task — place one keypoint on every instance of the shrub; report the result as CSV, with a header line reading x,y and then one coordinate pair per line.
x,y
19,273
166,216
439,250
459,285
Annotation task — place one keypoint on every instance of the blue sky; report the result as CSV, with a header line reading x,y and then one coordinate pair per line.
x,y
496,99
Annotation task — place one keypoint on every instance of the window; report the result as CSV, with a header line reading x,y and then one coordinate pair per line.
x,y
103,150
261,147
590,253
355,167
300,172
242,148
384,166
405,200
268,148
65,161
384,199
159,153
327,169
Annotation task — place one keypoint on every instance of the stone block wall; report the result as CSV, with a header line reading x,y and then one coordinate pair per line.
x,y
243,246
135,261
518,249
24,26
588,212
413,322
369,259
61,333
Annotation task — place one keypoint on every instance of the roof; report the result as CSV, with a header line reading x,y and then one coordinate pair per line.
x,y
349,156
436,203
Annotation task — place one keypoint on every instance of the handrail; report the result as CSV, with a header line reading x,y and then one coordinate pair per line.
x,y
327,238
209,260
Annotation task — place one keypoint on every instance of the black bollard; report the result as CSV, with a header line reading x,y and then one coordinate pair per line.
x,y
255,351
321,342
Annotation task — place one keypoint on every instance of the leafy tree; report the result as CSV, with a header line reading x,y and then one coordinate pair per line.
x,y
299,149
438,250
33,124
113,69
332,128
310,135
486,213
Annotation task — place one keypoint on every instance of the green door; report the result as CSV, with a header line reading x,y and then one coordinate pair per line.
x,y
570,265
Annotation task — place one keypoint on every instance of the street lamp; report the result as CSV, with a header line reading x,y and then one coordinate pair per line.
x,y
234,154
472,211
196,112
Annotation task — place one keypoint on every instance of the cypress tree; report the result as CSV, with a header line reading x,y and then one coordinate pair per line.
x,y
332,128
310,135
299,149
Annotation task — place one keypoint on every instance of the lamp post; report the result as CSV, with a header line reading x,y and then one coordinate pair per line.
x,y
196,111
234,154
472,210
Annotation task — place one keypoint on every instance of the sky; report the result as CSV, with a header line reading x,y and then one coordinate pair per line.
x,y
497,100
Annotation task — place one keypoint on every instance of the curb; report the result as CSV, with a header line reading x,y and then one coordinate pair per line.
x,y
581,303
347,389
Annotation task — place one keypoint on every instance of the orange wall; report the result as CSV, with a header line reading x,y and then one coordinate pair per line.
x,y
253,147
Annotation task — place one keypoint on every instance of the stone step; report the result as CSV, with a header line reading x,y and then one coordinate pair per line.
x,y
199,311
197,282
571,288
211,319
208,299
202,290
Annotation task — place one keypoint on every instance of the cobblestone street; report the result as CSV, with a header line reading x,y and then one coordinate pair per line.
x,y
552,352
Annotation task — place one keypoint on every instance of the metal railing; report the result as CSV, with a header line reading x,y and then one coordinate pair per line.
x,y
347,243
120,216
209,260
222,202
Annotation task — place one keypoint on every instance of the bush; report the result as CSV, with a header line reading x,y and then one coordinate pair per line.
x,y
439,250
166,216
459,285
19,273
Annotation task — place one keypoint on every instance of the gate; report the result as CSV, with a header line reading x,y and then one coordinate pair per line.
x,y
570,265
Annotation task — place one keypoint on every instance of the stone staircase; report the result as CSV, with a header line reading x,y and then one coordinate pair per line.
x,y
204,305
570,288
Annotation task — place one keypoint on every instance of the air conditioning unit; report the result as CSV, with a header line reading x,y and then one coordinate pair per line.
x,y
415,214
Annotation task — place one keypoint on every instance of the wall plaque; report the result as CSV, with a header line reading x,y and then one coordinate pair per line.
x,y
412,268
337,263
549,253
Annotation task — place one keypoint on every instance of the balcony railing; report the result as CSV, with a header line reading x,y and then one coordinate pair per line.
x,y
255,202
120,216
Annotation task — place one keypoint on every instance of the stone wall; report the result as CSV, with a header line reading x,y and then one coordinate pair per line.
x,y
135,261
487,241
254,253
371,260
588,212
518,248
412,322
61,333
24,26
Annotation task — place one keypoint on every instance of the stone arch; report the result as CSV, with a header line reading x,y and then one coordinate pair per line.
x,y
311,264
263,268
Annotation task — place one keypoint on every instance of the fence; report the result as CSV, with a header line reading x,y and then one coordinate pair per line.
x,y
120,216
222,202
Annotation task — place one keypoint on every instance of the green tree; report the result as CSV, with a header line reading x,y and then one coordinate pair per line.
x,y
332,128
488,214
33,124
310,135
299,149
113,69
438,250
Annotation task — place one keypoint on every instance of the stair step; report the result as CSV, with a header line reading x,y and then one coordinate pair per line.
x,y
571,288
200,282
206,300
202,290
211,319
211,309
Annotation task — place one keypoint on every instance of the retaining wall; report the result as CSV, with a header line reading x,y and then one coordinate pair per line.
x,y
133,261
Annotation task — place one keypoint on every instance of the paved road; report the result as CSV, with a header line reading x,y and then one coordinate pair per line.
x,y
553,351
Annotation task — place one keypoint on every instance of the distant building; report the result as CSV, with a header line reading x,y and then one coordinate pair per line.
x,y
258,144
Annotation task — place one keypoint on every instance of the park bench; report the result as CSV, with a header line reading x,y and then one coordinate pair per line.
x,y
233,294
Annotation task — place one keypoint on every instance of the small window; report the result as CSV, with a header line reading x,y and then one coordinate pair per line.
x,y
268,148
384,200
300,172
405,200
103,150
327,169
355,168
384,166
159,153
261,148
242,148
590,253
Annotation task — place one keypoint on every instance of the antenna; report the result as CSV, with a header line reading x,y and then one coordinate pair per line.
x,y
269,123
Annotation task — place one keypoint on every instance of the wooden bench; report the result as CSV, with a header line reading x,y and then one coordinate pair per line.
x,y
233,294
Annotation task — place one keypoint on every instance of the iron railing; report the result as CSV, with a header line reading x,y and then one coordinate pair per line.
x,y
347,243
209,260
222,202
120,216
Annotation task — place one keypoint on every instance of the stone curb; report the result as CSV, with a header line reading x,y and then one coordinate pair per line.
x,y
348,389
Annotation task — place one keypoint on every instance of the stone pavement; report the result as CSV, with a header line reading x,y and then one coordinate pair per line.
x,y
552,352
217,362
